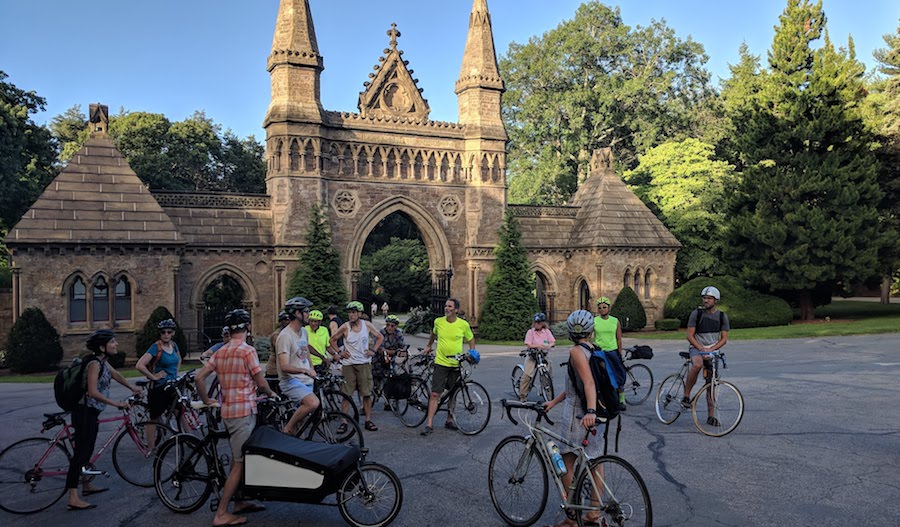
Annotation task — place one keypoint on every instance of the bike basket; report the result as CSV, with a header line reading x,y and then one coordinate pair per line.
x,y
642,352
398,386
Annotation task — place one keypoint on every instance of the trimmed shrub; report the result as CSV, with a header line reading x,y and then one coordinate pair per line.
x,y
559,330
5,276
629,310
150,333
420,320
117,361
745,307
667,324
33,343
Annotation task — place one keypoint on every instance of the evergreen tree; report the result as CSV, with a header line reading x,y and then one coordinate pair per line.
x,y
804,215
318,276
33,343
629,310
509,302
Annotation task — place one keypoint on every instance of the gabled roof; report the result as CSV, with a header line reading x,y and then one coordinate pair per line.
x,y
611,215
96,199
392,90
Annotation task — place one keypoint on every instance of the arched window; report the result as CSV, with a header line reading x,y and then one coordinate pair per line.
x,y
540,291
584,296
122,302
647,284
637,283
100,301
77,301
627,278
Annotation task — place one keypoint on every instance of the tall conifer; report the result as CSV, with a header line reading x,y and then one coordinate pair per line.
x,y
318,277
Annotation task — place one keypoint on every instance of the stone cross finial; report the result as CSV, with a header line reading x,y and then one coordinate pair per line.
x,y
394,34
601,159
98,119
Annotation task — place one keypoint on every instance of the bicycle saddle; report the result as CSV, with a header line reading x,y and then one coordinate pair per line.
x,y
684,354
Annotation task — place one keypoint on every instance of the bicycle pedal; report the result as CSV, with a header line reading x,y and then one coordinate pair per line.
x,y
213,504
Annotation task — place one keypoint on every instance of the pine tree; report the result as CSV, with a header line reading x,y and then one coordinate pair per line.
x,y
318,277
804,212
509,302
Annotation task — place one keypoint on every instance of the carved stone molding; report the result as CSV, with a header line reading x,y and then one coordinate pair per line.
x,y
450,207
345,203
210,200
537,211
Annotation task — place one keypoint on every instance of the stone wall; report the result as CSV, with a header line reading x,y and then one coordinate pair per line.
x,y
6,315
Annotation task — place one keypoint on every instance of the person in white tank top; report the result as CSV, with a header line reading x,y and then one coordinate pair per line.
x,y
357,358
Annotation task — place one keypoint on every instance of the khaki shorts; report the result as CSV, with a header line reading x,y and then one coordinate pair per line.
x,y
444,378
239,430
357,377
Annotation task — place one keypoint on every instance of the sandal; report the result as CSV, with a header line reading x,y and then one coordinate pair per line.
x,y
427,432
342,429
370,426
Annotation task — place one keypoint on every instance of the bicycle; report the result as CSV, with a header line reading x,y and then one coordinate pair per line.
x,y
606,490
189,469
33,471
468,402
541,373
322,425
725,404
394,368
328,389
638,379
179,416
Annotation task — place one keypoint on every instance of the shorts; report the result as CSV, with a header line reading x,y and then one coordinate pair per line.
x,y
295,390
616,367
444,378
239,430
357,377
695,352
159,400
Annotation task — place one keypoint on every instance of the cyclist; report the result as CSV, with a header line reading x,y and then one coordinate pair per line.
x,y
166,359
357,358
707,331
608,338
539,337
318,340
237,367
580,325
450,331
385,356
97,375
295,373
226,336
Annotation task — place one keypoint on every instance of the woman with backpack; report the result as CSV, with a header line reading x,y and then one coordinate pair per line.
x,y
97,375
573,426
164,359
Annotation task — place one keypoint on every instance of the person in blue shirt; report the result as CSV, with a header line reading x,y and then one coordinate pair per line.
x,y
160,364
226,336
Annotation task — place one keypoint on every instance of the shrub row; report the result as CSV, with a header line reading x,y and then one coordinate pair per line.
x,y
745,308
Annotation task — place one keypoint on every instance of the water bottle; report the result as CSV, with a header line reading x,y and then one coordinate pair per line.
x,y
558,464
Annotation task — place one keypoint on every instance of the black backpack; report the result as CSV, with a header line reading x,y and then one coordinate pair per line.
x,y
69,386
607,394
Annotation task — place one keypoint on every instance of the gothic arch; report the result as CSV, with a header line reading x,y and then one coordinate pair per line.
x,y
200,285
549,274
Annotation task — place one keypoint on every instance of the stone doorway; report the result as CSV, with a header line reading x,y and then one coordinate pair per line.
x,y
221,296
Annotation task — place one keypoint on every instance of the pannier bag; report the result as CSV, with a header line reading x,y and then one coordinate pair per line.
x,y
642,353
398,386
279,467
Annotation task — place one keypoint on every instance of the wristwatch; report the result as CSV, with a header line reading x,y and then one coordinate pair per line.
x,y
591,411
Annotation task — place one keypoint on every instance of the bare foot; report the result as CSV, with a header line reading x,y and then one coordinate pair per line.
x,y
220,520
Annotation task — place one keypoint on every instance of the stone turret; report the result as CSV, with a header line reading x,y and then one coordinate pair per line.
x,y
480,87
295,66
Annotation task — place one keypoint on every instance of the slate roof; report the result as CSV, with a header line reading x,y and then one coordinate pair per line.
x,y
223,227
96,199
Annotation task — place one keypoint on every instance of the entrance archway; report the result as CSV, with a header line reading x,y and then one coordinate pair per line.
x,y
394,266
221,288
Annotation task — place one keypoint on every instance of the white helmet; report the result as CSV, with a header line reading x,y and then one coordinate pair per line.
x,y
711,291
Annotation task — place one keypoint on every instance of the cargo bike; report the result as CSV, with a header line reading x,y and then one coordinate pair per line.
x,y
279,467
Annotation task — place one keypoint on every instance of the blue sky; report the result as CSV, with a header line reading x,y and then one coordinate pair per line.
x,y
174,57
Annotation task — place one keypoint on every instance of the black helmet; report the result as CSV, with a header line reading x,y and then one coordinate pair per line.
x,y
282,316
167,324
540,317
237,319
298,303
101,337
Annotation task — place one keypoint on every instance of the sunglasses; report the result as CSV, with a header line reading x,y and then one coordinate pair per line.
x,y
167,332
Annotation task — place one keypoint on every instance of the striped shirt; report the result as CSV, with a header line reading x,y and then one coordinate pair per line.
x,y
235,364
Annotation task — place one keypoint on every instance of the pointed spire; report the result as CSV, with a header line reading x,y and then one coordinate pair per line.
x,y
479,67
295,36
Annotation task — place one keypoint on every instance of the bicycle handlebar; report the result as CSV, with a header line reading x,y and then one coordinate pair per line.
x,y
531,405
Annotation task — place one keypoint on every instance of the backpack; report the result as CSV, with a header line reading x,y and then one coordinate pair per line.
x,y
642,353
700,312
607,394
69,387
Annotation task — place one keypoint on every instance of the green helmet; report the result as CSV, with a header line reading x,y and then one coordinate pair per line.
x,y
392,319
315,314
604,300
355,306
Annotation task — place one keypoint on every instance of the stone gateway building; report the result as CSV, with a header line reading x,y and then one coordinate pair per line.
x,y
98,250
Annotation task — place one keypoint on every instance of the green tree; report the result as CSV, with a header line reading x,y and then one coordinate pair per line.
x,y
242,164
629,310
509,301
683,183
318,276
27,153
142,138
193,150
33,343
70,130
594,82
402,270
803,215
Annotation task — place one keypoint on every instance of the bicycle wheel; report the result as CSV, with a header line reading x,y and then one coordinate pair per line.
x,y
139,412
370,496
611,489
333,400
668,398
334,428
133,454
727,405
414,409
183,474
638,383
470,406
516,377
32,475
546,382
517,481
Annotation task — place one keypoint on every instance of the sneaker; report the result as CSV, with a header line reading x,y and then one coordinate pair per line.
x,y
621,406
712,421
685,403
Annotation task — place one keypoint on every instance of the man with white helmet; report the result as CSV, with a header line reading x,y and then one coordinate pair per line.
x,y
707,331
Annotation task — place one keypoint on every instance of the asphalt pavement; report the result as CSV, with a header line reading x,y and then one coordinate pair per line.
x,y
819,445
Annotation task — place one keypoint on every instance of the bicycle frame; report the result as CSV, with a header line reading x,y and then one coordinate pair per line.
x,y
65,437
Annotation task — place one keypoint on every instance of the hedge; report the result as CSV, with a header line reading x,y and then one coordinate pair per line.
x,y
629,310
421,320
33,343
745,307
667,324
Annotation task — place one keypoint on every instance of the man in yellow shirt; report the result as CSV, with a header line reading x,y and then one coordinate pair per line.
x,y
318,339
450,332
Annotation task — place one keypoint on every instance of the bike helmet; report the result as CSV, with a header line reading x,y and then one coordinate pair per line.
x,y
315,314
298,303
282,316
392,319
604,300
540,317
226,331
101,337
711,291
580,324
474,356
237,319
355,306
167,324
